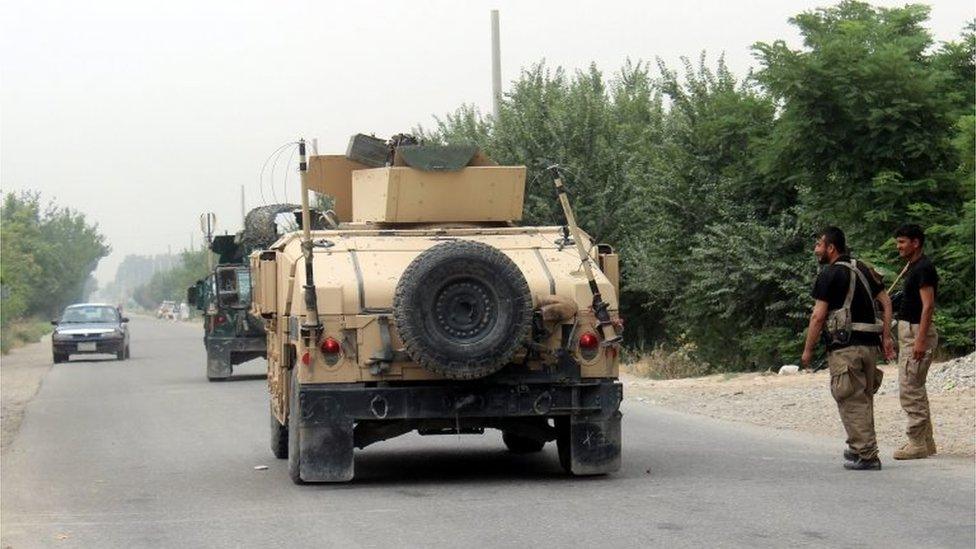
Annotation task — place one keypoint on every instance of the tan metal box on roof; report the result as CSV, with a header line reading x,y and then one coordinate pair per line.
x,y
408,195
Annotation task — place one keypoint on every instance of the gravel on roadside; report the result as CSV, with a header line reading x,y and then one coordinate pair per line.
x,y
802,402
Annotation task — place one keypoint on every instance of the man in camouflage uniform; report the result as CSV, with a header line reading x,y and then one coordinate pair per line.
x,y
917,338
846,288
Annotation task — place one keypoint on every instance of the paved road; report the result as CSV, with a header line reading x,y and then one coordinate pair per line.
x,y
147,453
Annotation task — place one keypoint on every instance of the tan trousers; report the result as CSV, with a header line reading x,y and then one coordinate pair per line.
x,y
854,379
911,380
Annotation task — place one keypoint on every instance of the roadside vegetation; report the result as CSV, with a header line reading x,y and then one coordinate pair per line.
x,y
47,256
713,185
171,284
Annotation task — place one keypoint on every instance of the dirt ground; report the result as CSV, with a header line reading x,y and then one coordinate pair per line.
x,y
802,402
21,373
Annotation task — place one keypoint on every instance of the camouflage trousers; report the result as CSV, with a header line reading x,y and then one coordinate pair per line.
x,y
854,378
911,380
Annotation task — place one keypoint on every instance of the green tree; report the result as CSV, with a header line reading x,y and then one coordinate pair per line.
x,y
867,126
48,256
713,187
171,284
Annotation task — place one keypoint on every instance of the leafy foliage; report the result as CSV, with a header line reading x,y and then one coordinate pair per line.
x,y
171,284
48,255
713,187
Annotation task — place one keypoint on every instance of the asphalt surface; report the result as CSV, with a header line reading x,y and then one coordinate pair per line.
x,y
147,453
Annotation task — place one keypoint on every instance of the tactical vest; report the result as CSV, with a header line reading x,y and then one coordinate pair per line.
x,y
839,326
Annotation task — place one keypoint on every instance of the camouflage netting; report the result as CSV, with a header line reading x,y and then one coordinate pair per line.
x,y
260,230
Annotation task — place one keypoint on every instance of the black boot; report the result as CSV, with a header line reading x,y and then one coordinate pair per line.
x,y
850,455
863,465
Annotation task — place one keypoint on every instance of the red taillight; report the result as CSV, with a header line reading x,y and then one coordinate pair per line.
x,y
306,358
331,346
589,341
219,319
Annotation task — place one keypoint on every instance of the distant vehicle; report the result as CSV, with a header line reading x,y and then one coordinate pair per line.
x,y
167,310
90,328
231,334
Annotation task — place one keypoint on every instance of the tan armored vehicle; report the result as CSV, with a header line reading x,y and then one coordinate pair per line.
x,y
426,307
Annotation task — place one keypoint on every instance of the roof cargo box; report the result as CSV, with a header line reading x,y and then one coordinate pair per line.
x,y
408,195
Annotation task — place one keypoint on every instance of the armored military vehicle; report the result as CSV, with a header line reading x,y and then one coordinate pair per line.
x,y
231,334
425,306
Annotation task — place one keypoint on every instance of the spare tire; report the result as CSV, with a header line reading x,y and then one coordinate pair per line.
x,y
462,309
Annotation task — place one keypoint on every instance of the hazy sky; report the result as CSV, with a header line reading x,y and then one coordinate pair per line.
x,y
143,114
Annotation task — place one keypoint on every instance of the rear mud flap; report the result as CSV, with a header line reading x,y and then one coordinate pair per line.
x,y
218,366
326,445
594,444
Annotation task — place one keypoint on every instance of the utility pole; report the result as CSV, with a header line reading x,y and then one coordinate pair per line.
x,y
496,67
243,216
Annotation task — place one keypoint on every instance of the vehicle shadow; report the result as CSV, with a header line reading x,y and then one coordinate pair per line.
x,y
382,466
243,377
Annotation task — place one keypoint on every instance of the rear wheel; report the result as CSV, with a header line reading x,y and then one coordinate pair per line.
x,y
279,438
563,443
59,358
518,444
294,436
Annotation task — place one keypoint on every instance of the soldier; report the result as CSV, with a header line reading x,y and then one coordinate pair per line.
x,y
844,311
917,338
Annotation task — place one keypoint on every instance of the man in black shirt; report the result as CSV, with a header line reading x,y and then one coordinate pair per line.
x,y
917,338
845,292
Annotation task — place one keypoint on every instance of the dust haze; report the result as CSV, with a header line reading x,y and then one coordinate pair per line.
x,y
143,115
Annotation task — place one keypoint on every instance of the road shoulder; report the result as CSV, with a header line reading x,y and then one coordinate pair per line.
x,y
802,403
21,374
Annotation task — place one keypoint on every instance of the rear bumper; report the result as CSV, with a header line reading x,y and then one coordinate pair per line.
x,y
236,344
583,417
323,403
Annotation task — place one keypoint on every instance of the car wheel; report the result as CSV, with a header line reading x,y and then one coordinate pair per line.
x,y
518,444
120,354
59,358
563,443
294,446
279,438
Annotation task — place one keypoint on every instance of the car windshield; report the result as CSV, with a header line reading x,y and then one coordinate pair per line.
x,y
90,314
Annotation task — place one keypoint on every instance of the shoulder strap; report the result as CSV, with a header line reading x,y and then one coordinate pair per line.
x,y
860,326
850,287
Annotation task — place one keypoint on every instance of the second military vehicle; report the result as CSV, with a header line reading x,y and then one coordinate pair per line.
x,y
231,334
424,306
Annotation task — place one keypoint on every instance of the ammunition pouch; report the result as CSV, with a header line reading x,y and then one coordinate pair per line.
x,y
839,326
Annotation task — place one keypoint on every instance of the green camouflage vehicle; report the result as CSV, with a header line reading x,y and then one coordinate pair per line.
x,y
231,334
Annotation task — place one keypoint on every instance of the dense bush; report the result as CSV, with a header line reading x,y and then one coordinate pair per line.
x,y
713,187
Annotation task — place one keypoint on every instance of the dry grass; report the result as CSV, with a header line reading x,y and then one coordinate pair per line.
x,y
662,363
21,332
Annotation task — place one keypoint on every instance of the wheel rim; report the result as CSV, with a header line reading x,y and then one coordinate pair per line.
x,y
465,310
